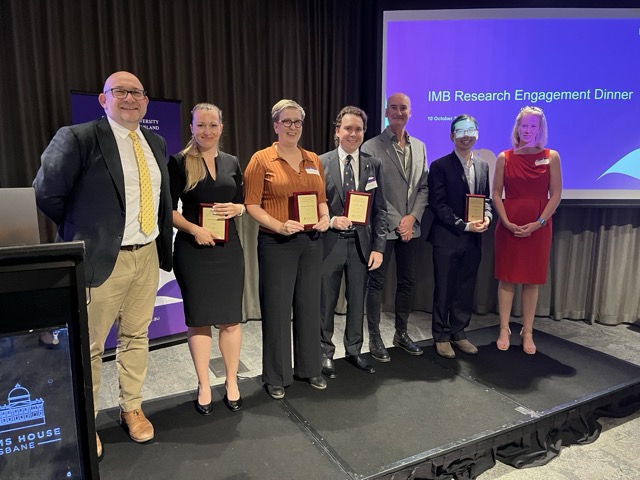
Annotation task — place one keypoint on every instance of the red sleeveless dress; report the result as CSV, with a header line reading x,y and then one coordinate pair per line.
x,y
526,192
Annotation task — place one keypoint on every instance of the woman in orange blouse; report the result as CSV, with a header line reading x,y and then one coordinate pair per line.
x,y
289,257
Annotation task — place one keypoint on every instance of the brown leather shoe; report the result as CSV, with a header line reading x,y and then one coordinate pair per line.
x,y
98,446
444,349
466,346
139,428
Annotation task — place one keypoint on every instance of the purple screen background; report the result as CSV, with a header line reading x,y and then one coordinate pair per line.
x,y
492,55
163,116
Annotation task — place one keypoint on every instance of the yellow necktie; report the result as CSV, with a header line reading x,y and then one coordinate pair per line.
x,y
146,217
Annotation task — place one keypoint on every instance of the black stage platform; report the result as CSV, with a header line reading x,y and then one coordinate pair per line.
x,y
417,417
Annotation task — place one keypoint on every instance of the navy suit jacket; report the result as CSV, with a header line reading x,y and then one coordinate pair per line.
x,y
448,189
373,235
80,186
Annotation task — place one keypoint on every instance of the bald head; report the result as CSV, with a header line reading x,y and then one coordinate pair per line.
x,y
117,79
126,111
398,112
399,98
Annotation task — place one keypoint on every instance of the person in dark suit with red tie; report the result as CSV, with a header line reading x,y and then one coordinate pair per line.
x,y
352,246
457,243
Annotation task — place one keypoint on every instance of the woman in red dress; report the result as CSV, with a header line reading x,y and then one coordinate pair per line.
x,y
531,178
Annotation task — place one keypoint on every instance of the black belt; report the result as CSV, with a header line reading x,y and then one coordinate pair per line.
x,y
347,234
133,248
313,234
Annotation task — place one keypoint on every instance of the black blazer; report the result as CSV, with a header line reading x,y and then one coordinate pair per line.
x,y
373,235
80,186
448,189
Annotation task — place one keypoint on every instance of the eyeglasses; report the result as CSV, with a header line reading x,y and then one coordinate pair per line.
x,y
287,122
122,93
469,132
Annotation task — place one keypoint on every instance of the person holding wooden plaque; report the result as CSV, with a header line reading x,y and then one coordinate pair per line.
x,y
305,209
357,207
355,241
474,211
213,222
289,256
208,256
459,198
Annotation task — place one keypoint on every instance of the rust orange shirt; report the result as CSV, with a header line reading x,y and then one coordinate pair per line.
x,y
270,182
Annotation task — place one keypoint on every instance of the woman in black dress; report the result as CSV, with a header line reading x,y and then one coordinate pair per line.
x,y
210,273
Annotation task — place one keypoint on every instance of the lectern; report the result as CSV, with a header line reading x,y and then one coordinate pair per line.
x,y
47,427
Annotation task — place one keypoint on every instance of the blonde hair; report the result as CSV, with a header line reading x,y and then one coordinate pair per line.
x,y
277,109
193,165
541,140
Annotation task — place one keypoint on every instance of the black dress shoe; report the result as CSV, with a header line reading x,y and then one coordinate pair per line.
x,y
233,405
360,363
401,339
275,391
377,349
205,410
328,368
318,382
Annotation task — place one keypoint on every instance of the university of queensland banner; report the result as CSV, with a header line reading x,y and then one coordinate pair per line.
x,y
163,117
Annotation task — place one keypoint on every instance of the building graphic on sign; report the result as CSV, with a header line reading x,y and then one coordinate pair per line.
x,y
21,411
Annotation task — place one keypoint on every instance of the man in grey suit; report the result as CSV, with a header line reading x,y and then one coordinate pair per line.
x,y
404,175
457,241
351,245
106,182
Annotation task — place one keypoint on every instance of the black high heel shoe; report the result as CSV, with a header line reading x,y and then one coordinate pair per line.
x,y
205,410
233,405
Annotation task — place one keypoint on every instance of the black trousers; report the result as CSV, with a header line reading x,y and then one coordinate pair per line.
x,y
343,257
455,271
290,271
405,284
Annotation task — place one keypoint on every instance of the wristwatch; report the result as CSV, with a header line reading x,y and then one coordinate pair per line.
x,y
542,221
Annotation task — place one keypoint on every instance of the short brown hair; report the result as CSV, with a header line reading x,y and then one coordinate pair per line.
x,y
349,110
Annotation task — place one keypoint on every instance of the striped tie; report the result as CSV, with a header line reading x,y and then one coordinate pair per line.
x,y
146,217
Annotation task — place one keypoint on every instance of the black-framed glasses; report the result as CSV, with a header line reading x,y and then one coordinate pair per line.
x,y
287,122
122,93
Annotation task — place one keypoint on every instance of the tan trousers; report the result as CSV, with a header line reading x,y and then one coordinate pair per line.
x,y
127,299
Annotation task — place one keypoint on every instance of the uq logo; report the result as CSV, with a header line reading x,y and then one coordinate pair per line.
x,y
21,411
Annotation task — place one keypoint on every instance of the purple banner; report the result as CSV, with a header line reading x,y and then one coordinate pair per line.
x,y
581,71
163,116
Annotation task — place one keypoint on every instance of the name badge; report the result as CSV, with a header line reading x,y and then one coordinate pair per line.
x,y
542,161
312,171
371,184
